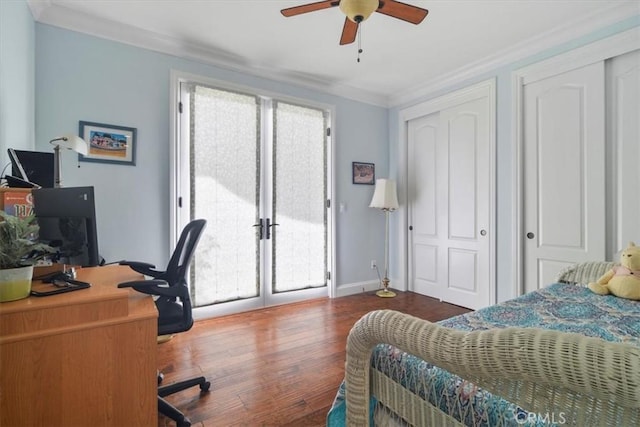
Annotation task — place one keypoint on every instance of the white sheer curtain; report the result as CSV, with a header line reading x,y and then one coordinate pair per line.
x,y
299,197
224,190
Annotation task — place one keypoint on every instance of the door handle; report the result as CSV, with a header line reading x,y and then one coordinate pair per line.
x,y
268,228
530,235
261,229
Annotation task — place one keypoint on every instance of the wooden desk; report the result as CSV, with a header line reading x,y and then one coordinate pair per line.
x,y
83,358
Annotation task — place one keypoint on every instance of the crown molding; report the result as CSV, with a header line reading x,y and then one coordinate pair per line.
x,y
45,12
563,34
37,7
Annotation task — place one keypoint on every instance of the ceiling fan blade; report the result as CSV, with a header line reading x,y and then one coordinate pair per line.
x,y
349,32
310,7
403,11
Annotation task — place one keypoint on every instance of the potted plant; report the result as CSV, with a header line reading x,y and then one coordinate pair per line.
x,y
19,249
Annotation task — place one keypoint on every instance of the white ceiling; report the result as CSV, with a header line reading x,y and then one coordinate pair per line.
x,y
398,61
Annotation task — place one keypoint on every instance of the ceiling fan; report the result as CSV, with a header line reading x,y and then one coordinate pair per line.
x,y
359,10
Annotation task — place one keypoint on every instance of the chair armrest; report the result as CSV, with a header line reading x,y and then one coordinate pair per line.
x,y
143,268
152,287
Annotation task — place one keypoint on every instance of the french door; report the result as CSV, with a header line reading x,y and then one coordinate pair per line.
x,y
256,169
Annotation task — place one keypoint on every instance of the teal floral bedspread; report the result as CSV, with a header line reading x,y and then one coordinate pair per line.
x,y
568,308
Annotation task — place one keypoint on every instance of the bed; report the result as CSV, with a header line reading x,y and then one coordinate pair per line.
x,y
561,355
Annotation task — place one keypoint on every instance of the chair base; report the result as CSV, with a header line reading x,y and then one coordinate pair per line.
x,y
170,411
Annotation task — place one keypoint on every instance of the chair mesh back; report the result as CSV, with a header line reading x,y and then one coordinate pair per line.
x,y
177,316
183,252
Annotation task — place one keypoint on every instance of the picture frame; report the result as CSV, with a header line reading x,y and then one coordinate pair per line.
x,y
108,143
363,173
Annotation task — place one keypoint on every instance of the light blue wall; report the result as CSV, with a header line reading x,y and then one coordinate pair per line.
x,y
17,70
505,169
80,77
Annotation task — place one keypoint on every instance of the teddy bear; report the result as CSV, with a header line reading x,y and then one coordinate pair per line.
x,y
622,280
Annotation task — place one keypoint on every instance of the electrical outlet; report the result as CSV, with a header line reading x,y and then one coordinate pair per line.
x,y
374,264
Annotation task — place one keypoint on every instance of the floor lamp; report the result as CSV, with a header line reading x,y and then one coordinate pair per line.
x,y
385,199
72,142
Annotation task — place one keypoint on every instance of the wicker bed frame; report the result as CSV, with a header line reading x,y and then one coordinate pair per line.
x,y
584,381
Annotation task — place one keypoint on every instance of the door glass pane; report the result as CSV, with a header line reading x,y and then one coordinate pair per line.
x,y
299,196
225,161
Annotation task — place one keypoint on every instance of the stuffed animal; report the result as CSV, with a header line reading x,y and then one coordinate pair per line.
x,y
622,280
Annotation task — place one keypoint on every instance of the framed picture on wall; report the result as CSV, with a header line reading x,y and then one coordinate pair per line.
x,y
108,143
363,173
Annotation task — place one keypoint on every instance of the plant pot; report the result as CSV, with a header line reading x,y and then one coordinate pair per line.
x,y
15,283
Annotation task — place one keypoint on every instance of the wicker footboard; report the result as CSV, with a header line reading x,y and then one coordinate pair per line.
x,y
587,380
405,406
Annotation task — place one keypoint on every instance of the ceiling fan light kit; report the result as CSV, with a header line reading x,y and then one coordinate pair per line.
x,y
358,10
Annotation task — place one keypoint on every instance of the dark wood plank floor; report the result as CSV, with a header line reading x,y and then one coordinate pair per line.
x,y
278,366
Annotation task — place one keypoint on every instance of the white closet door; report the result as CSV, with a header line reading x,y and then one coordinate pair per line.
x,y
424,157
449,178
623,107
564,173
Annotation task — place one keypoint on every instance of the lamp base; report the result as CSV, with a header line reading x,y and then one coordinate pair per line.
x,y
385,293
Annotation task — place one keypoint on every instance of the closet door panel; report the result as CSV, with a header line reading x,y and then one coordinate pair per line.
x,y
623,106
424,181
463,164
564,173
560,167
449,209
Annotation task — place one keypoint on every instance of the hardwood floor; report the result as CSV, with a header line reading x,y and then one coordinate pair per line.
x,y
278,366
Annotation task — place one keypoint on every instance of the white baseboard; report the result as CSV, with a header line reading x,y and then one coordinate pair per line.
x,y
357,288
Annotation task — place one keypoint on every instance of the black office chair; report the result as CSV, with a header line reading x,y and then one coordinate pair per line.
x,y
174,306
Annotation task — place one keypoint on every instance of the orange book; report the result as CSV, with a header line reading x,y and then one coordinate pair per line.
x,y
18,203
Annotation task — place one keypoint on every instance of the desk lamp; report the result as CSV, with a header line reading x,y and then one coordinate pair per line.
x,y
385,199
71,142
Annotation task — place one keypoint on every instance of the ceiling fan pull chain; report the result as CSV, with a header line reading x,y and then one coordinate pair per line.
x,y
359,41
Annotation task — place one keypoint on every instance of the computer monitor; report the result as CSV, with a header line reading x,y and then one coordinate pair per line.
x,y
67,220
35,167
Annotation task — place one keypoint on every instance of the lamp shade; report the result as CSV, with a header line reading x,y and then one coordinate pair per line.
x,y
72,142
358,10
385,196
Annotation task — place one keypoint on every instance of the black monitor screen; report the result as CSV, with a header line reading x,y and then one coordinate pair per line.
x,y
38,166
69,236
67,220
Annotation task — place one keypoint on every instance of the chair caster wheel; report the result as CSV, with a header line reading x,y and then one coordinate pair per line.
x,y
205,387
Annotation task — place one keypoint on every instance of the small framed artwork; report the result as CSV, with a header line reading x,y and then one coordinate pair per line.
x,y
363,173
108,143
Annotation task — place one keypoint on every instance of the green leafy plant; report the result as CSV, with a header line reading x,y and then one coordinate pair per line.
x,y
18,246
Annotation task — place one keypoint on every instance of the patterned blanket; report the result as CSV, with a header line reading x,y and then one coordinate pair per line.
x,y
562,307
